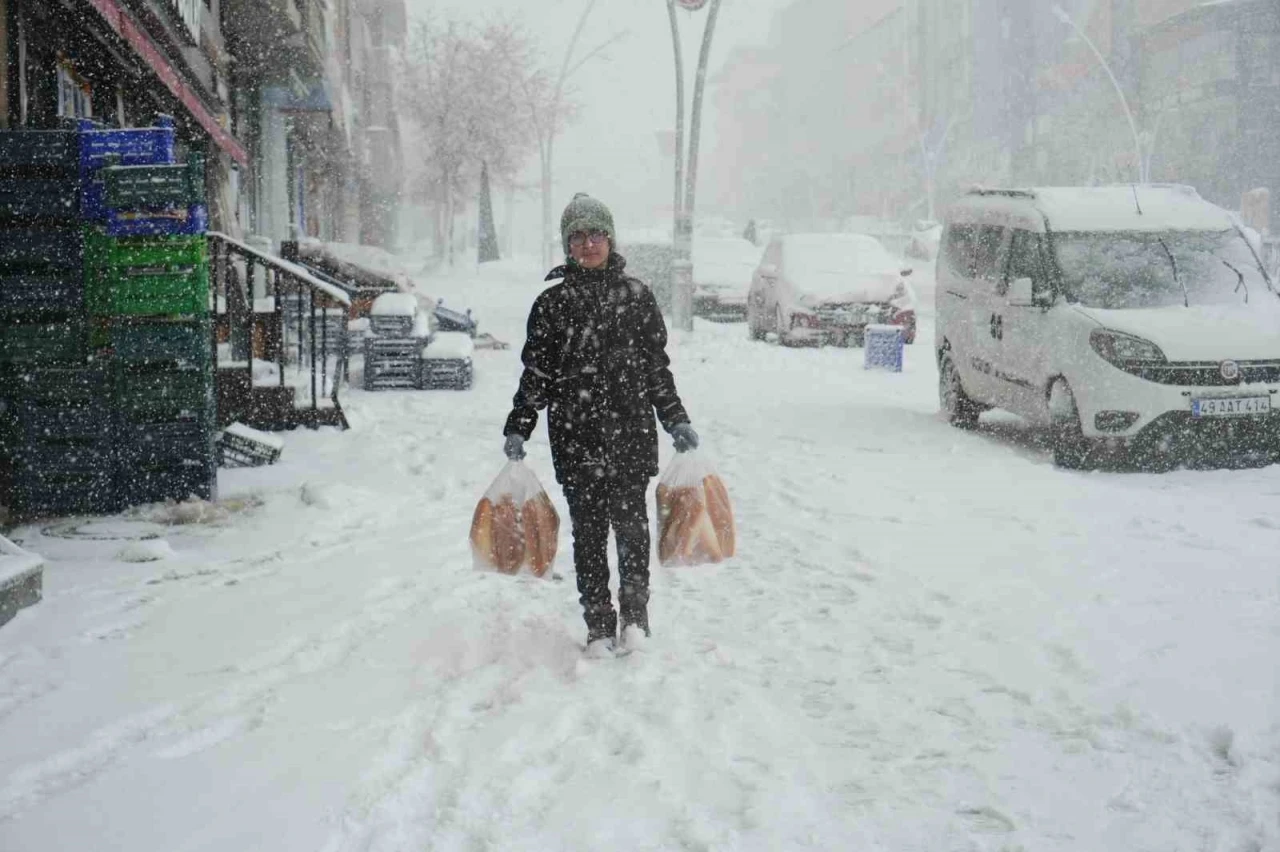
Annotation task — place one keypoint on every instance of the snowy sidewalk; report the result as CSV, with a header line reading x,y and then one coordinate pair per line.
x,y
930,641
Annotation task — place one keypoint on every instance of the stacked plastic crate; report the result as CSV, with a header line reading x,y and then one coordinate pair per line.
x,y
58,443
106,380
392,352
148,296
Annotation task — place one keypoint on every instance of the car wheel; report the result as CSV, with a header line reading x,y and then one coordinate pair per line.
x,y
1071,449
780,326
962,412
754,332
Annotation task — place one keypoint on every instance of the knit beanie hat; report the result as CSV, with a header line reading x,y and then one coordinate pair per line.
x,y
585,213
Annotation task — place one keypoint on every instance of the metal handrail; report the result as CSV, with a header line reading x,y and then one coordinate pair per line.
x,y
243,276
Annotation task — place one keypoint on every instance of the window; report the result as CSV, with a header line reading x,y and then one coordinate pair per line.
x,y
958,248
1025,261
986,254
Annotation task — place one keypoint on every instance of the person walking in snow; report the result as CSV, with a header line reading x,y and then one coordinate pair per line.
x,y
595,358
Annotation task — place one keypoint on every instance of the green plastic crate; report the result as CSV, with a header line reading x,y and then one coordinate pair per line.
x,y
146,292
115,253
163,394
61,342
155,187
186,340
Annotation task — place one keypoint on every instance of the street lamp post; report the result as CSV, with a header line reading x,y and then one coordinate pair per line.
x,y
686,185
1138,163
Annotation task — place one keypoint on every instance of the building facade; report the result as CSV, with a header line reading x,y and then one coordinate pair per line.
x,y
291,101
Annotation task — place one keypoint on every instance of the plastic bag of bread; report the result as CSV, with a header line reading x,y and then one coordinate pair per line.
x,y
695,518
515,527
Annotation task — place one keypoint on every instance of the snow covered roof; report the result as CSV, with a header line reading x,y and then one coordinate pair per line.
x,y
1110,208
395,305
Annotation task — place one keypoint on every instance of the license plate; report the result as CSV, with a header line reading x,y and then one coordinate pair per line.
x,y
1240,406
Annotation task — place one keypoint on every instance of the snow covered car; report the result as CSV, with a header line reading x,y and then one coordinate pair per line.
x,y
1131,319
818,289
722,270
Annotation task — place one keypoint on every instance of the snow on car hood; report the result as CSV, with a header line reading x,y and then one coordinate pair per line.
x,y
1203,332
818,288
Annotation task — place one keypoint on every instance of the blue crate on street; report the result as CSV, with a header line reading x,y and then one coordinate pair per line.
x,y
178,222
884,347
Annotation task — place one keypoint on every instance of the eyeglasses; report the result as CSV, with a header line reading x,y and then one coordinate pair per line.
x,y
579,239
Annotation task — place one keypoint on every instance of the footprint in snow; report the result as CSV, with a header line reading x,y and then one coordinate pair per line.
x,y
987,820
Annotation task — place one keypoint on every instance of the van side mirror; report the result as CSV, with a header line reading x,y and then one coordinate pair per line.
x,y
906,273
1022,293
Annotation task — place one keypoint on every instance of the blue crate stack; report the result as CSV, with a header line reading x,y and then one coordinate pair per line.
x,y
96,413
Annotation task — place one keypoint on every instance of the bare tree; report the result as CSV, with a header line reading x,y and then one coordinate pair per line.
x,y
469,84
550,109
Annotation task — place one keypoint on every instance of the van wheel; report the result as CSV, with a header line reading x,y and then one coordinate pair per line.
x,y
1071,449
780,326
754,332
962,412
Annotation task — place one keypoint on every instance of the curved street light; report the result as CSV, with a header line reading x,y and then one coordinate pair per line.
x,y
1138,163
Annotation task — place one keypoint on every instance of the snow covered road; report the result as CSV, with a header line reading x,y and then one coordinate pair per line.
x,y
931,640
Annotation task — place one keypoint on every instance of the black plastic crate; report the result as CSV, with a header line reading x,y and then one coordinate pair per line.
x,y
38,343
154,187
42,248
30,200
392,363
156,485
163,393
86,386
24,294
30,423
240,451
447,374
186,341
165,445
60,495
37,459
47,151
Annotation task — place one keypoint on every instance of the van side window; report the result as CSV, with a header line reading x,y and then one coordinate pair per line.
x,y
986,256
959,246
1025,261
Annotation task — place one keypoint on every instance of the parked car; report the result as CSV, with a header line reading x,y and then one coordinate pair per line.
x,y
818,289
1130,319
722,270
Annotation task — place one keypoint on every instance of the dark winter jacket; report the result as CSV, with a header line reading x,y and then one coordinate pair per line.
x,y
595,358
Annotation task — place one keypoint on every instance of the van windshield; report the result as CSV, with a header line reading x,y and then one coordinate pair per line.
x,y
1130,269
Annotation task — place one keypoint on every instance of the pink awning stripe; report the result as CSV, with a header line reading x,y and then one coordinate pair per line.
x,y
124,26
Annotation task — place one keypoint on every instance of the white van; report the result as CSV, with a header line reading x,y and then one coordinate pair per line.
x,y
1133,318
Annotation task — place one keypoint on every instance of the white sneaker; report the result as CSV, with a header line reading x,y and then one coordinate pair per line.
x,y
600,649
634,638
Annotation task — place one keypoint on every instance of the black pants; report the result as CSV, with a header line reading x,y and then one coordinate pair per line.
x,y
594,506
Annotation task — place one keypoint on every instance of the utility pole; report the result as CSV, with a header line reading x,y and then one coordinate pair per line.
x,y
686,185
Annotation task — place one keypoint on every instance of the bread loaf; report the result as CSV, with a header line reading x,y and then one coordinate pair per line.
x,y
695,523
506,538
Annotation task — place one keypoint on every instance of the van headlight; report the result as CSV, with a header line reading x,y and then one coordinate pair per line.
x,y
1123,349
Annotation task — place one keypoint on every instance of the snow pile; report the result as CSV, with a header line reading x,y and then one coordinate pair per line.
x,y
450,346
929,639
395,305
145,550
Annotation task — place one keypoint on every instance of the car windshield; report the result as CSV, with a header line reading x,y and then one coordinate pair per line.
x,y
1127,270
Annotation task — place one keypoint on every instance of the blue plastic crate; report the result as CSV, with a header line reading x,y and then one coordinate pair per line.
x,y
130,146
180,222
884,346
134,146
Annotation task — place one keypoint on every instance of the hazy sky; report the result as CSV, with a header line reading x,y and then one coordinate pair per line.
x,y
613,151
